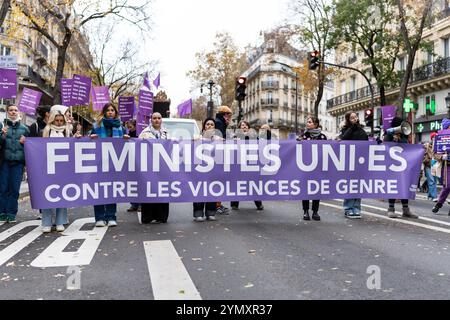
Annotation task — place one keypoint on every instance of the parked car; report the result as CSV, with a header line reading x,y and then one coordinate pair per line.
x,y
178,128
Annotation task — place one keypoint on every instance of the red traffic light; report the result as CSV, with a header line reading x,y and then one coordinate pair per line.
x,y
368,112
315,54
241,80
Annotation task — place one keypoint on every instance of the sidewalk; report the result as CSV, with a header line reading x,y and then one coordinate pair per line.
x,y
24,192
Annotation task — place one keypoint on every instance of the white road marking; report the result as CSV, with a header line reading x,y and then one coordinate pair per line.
x,y
421,225
54,256
170,279
15,247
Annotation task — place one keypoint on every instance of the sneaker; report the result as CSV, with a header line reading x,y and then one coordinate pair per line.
x,y
199,219
100,223
223,210
60,228
12,220
392,214
112,223
2,220
436,207
46,229
408,214
211,218
352,215
435,200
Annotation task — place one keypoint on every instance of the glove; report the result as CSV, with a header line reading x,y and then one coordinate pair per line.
x,y
390,131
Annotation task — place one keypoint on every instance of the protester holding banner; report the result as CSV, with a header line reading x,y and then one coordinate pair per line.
x,y
107,126
313,132
445,175
208,209
13,135
431,182
352,130
42,113
57,127
244,132
222,121
158,212
394,136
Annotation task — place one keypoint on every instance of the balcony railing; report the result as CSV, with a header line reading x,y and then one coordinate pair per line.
x,y
269,102
27,74
269,84
428,71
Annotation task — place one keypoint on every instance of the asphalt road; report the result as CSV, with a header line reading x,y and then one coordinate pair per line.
x,y
249,254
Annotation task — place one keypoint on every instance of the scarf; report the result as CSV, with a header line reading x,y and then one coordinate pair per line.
x,y
314,133
112,125
13,122
57,132
158,134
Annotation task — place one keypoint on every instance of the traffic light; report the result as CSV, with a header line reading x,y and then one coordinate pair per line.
x,y
313,60
368,117
240,88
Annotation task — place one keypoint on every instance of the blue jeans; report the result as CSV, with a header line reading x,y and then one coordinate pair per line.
x,y
432,189
10,180
352,206
105,212
61,217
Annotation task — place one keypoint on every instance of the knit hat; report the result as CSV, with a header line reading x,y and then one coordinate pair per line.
x,y
432,135
60,108
445,123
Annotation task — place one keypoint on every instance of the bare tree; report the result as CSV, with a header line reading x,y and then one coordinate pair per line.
x,y
6,4
117,66
68,17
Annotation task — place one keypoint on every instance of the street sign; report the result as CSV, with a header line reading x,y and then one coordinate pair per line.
x,y
8,62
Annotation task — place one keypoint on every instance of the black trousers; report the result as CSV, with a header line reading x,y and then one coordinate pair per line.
x,y
392,202
204,208
154,211
236,204
315,205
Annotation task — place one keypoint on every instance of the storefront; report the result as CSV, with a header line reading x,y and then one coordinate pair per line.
x,y
424,126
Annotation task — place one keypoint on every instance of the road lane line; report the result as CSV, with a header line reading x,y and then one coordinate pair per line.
x,y
168,275
420,218
375,215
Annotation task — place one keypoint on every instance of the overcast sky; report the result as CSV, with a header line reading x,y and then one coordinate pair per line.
x,y
182,28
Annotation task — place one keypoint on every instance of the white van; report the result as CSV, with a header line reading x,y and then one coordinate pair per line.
x,y
178,128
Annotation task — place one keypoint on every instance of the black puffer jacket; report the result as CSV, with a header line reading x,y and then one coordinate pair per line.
x,y
354,132
221,125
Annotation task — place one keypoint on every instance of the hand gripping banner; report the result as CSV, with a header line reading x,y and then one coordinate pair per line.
x,y
69,172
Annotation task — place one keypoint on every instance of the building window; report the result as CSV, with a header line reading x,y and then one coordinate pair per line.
x,y
343,86
446,48
269,97
5,51
402,63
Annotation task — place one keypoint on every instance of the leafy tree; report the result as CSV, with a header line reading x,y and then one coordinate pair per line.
x,y
4,10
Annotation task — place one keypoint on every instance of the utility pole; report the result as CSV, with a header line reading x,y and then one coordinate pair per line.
x,y
210,105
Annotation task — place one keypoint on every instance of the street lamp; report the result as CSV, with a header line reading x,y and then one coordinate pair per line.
x,y
296,92
447,104
210,105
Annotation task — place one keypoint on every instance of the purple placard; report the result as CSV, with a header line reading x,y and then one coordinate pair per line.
x,y
100,97
142,122
8,83
442,142
66,92
29,101
388,113
74,172
126,108
145,102
81,89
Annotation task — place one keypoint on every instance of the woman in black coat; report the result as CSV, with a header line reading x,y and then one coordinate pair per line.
x,y
313,132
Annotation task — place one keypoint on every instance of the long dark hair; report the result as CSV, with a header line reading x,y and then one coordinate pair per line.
x,y
105,108
206,120
347,119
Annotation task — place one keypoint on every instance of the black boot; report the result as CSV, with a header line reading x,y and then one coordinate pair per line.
x,y
306,215
315,216
436,207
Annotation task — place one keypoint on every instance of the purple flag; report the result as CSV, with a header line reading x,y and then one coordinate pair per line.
x,y
142,122
185,108
100,97
29,101
156,82
145,102
388,113
66,92
8,83
83,172
81,89
126,108
146,81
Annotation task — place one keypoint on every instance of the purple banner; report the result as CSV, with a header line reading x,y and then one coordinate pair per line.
x,y
185,108
442,142
126,108
29,101
388,113
145,102
142,122
66,92
8,83
81,172
100,97
81,89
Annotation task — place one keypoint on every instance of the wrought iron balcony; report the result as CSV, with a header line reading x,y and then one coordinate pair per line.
x,y
269,85
269,103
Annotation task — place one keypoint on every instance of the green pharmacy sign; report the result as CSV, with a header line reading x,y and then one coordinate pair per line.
x,y
408,105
